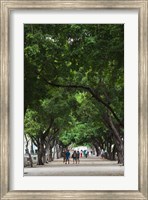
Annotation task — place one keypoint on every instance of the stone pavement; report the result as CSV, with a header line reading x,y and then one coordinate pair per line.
x,y
91,166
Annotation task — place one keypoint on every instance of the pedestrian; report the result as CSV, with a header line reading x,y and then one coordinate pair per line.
x,y
91,153
78,157
67,157
85,153
74,156
64,156
81,154
102,153
105,154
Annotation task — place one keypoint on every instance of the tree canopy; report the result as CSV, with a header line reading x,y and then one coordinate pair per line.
x,y
74,82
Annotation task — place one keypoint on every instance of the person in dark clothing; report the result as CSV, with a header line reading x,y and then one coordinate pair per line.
x,y
67,157
64,156
78,157
74,156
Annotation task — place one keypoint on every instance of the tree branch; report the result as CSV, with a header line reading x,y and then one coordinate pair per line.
x,y
90,90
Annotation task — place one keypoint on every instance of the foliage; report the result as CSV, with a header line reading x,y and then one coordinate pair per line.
x,y
74,74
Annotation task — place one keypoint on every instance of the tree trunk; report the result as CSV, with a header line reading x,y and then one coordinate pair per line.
x,y
40,154
57,151
32,151
27,151
109,156
120,152
118,142
50,154
97,149
54,151
30,158
113,152
44,156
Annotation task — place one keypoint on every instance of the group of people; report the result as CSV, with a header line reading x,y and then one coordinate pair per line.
x,y
75,156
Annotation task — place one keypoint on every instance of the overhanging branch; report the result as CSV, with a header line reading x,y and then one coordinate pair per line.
x,y
91,91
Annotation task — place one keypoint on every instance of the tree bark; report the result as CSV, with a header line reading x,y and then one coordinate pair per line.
x,y
109,156
118,141
97,149
114,152
27,151
40,154
32,151
57,150
120,152
50,154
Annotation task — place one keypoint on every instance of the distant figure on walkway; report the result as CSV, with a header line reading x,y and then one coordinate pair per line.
x,y
91,153
67,157
105,154
102,153
78,157
74,156
81,153
64,156
85,153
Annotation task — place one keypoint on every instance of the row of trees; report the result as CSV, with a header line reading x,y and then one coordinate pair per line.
x,y
74,86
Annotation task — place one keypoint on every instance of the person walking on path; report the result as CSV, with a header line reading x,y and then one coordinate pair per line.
x,y
102,153
85,153
78,157
67,157
74,156
64,156
81,153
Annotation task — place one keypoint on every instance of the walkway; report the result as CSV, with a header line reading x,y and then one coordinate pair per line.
x,y
91,166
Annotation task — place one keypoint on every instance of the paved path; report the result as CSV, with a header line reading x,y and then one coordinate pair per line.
x,y
91,166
